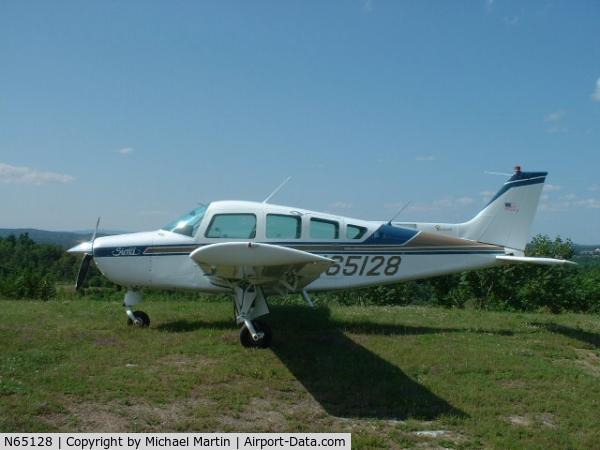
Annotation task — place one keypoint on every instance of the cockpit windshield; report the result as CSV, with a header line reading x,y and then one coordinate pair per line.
x,y
188,223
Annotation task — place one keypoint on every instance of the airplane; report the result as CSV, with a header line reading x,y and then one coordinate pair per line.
x,y
253,250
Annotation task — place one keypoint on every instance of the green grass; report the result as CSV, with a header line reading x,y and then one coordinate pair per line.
x,y
483,379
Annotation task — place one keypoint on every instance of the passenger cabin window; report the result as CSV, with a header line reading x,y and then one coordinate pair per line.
x,y
280,226
233,226
355,232
324,229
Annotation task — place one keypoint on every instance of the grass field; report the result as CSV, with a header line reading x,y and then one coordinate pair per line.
x,y
411,377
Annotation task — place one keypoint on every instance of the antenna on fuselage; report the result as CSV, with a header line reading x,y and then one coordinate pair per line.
x,y
488,172
398,213
266,200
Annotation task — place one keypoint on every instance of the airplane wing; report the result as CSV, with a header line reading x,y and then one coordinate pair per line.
x,y
266,265
532,260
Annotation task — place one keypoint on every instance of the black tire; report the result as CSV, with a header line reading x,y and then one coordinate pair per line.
x,y
144,319
246,338
264,342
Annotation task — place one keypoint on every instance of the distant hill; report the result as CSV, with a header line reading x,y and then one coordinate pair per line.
x,y
65,239
587,249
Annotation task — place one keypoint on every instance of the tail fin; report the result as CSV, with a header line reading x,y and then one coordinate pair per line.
x,y
507,218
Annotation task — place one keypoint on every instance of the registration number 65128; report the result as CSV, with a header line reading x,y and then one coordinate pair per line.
x,y
364,265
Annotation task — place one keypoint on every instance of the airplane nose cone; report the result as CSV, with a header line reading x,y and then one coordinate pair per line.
x,y
84,247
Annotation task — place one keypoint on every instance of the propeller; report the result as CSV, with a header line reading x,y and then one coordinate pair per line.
x,y
88,255
83,271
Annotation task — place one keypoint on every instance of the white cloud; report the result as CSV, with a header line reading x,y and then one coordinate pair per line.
x,y
555,116
464,200
551,187
125,151
594,187
27,175
425,158
555,206
568,197
367,6
554,130
512,21
554,121
596,93
569,201
593,203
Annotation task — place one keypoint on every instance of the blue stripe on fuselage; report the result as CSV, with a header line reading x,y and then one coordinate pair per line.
x,y
388,234
520,179
114,252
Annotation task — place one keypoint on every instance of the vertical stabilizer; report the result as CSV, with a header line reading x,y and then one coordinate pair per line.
x,y
507,218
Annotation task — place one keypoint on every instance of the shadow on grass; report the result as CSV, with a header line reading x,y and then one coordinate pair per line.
x,y
574,333
347,379
308,315
184,326
365,327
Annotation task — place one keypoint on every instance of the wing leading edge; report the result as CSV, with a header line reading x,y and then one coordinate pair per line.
x,y
266,265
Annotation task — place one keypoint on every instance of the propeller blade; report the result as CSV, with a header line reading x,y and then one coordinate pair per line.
x,y
83,270
87,248
96,230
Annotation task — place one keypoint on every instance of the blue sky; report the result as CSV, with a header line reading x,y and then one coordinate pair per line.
x,y
136,111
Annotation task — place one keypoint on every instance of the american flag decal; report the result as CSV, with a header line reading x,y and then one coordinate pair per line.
x,y
510,206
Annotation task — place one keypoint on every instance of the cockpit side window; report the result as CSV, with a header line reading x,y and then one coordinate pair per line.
x,y
232,226
324,229
188,223
355,232
281,226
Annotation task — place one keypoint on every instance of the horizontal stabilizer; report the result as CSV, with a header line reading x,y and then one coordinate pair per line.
x,y
532,260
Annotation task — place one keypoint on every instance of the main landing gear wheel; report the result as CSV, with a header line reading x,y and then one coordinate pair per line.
x,y
141,319
261,327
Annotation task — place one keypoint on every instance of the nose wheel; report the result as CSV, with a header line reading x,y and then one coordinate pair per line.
x,y
258,337
139,319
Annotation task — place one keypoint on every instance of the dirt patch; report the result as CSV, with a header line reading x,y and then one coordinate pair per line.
x,y
260,414
588,360
444,435
292,411
527,420
117,417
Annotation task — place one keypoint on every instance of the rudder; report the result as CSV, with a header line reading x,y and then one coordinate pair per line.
x,y
507,218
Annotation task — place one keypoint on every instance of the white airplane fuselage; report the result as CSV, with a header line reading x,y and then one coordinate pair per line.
x,y
382,254
252,250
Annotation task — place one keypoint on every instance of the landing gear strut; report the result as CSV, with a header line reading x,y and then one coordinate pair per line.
x,y
250,303
261,330
135,318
